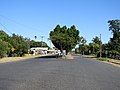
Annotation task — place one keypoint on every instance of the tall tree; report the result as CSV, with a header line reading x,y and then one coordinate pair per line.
x,y
114,25
114,43
82,45
95,45
64,38
96,40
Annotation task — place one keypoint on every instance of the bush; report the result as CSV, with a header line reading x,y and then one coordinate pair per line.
x,y
104,54
110,54
4,48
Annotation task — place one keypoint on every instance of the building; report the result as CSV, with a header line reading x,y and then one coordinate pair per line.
x,y
38,50
43,51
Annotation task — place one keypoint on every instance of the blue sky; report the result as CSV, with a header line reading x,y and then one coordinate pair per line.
x,y
38,17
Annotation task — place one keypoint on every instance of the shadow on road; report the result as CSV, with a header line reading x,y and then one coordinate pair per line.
x,y
50,56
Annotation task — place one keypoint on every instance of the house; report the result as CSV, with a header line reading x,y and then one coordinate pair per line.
x,y
38,50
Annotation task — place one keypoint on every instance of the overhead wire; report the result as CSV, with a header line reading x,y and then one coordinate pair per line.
x,y
18,23
5,28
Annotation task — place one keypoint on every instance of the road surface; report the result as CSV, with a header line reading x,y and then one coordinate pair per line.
x,y
57,74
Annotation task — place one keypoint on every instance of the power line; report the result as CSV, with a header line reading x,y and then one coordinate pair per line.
x,y
5,28
18,23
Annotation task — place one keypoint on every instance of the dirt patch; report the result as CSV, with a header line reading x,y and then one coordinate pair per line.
x,y
68,57
14,59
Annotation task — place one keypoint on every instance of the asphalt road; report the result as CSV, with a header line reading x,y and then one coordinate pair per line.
x,y
56,74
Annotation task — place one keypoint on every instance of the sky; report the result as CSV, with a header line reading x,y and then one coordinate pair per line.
x,y
31,18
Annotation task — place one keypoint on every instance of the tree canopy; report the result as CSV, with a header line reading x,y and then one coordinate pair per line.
x,y
19,44
37,44
5,46
64,38
114,25
114,43
16,45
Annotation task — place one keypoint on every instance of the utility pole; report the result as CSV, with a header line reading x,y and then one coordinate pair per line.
x,y
42,40
100,47
49,41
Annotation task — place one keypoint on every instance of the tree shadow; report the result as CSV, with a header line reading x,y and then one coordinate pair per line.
x,y
50,56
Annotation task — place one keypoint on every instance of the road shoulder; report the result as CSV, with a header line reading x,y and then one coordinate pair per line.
x,y
105,60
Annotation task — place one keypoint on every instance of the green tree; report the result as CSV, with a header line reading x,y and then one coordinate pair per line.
x,y
114,43
4,36
19,44
5,46
96,40
114,25
64,38
82,45
37,44
95,45
16,45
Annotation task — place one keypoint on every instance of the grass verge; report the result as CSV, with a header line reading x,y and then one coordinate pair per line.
x,y
103,59
114,61
13,59
107,60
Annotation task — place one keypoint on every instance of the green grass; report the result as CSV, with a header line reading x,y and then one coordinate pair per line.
x,y
103,59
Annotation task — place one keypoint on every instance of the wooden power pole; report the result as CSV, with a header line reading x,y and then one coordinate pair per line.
x,y
100,47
